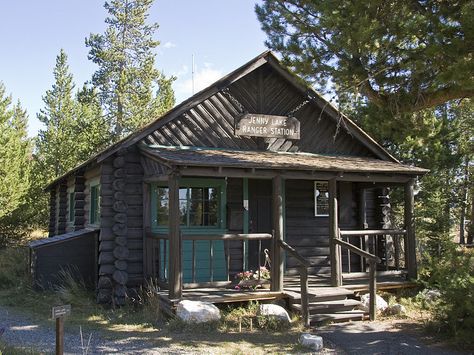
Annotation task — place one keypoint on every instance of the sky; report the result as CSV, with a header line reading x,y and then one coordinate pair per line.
x,y
221,34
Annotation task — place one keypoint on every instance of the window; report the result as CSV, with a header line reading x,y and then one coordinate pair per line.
x,y
95,204
201,204
71,196
321,198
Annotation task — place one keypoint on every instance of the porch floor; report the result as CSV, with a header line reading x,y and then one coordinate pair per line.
x,y
318,286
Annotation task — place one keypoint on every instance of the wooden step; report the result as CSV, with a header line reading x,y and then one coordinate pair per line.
x,y
319,294
339,317
328,306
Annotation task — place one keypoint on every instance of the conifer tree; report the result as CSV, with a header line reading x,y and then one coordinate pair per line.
x,y
56,146
15,154
15,170
132,91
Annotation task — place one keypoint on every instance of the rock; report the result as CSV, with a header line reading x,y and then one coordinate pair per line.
x,y
197,312
431,295
380,303
396,309
274,310
312,341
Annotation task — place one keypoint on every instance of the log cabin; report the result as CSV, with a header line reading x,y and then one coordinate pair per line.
x,y
257,164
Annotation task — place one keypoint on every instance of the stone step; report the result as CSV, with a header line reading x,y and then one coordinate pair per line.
x,y
328,306
339,317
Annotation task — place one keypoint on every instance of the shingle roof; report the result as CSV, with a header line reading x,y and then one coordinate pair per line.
x,y
191,156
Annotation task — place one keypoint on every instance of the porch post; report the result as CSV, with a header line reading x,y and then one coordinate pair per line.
x,y
334,249
410,247
277,257
174,281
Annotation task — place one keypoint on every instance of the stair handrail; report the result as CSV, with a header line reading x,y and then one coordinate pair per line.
x,y
303,269
373,260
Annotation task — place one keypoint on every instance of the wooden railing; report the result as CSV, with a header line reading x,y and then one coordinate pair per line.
x,y
158,263
372,259
303,269
392,253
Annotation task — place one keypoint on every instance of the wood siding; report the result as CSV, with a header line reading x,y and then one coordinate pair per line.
x,y
309,234
235,220
210,123
76,255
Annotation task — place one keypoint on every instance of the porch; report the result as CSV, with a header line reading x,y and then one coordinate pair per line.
x,y
172,253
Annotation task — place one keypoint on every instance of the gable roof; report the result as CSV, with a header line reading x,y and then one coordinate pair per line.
x,y
266,57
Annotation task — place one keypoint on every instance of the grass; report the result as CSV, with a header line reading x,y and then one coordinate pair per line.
x,y
10,350
139,318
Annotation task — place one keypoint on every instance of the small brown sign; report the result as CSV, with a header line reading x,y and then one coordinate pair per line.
x,y
271,126
61,311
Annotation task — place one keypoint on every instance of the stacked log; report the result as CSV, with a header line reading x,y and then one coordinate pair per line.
x,y
121,241
119,228
52,213
62,215
106,260
79,201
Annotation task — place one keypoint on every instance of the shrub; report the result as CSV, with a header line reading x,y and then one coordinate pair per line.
x,y
13,267
453,275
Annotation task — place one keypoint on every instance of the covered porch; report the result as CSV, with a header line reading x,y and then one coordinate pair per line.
x,y
172,253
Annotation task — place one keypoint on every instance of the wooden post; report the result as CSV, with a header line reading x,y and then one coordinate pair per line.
x,y
174,282
334,249
304,295
277,258
60,336
410,247
372,290
59,313
363,225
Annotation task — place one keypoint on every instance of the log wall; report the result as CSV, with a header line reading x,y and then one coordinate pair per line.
x,y
121,237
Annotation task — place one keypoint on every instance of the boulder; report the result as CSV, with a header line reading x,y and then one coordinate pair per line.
x,y
274,310
197,312
380,303
315,342
431,295
396,309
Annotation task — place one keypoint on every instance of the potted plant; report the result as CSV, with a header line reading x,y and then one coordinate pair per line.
x,y
253,280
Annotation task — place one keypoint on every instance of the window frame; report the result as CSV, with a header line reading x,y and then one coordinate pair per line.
x,y
220,184
316,197
94,210
71,198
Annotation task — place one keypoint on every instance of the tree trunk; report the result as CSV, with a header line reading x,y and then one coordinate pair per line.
x,y
464,191
470,233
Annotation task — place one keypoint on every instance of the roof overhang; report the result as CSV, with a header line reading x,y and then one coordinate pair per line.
x,y
198,161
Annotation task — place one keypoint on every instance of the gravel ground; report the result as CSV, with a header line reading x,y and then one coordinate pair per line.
x,y
381,337
20,331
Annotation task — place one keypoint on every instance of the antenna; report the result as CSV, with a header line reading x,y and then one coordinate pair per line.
x,y
192,73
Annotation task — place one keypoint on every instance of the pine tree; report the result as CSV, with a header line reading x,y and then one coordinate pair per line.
x,y
404,56
15,168
132,91
15,153
56,146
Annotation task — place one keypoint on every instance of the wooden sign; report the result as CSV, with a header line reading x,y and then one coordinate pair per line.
x,y
61,311
270,126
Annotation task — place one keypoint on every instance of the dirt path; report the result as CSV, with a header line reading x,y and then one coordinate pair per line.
x,y
381,337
